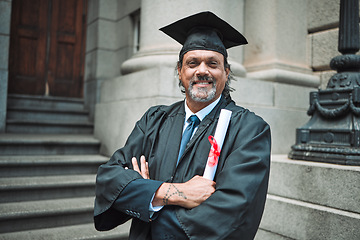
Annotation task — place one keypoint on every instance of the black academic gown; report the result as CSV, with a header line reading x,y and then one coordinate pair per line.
x,y
233,212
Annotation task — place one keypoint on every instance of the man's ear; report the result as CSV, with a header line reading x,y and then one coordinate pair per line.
x,y
227,71
179,72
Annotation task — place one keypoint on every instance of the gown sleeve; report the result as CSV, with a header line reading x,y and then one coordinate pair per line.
x,y
114,177
136,197
234,210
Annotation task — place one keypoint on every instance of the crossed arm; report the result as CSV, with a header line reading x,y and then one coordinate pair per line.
x,y
189,194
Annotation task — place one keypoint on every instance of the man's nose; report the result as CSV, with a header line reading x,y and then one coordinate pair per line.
x,y
202,69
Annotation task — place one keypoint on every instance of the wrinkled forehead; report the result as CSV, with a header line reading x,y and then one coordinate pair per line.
x,y
204,54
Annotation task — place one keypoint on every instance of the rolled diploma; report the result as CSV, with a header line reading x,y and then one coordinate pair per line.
x,y
219,136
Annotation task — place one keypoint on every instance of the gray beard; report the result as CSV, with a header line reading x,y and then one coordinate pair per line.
x,y
202,94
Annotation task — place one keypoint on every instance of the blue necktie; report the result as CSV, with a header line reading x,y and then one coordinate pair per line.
x,y
194,122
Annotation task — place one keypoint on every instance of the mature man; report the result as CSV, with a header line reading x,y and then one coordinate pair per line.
x,y
156,178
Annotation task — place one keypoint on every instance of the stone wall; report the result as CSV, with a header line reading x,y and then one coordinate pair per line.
x,y
279,77
5,17
283,106
109,42
323,23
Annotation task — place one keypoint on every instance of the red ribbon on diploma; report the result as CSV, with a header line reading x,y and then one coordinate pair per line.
x,y
214,152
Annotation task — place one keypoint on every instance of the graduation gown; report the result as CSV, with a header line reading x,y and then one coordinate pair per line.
x,y
233,211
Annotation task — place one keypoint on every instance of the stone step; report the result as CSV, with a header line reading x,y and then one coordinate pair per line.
x,y
48,126
42,114
29,215
44,102
49,165
79,232
294,219
46,187
48,144
311,200
325,184
262,234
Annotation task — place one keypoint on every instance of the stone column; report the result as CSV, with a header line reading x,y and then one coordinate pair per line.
x,y
5,16
108,44
157,49
277,34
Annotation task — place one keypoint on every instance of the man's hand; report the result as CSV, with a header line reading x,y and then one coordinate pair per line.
x,y
188,195
144,167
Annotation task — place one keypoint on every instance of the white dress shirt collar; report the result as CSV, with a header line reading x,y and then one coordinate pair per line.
x,y
203,112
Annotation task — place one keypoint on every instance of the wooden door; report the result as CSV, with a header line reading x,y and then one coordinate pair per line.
x,y
47,47
28,47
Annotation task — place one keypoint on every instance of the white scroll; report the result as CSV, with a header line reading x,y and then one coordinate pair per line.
x,y
216,143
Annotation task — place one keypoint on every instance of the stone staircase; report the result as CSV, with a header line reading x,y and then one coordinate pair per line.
x,y
36,114
311,200
48,164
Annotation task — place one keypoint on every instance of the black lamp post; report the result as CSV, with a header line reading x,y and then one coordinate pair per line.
x,y
333,133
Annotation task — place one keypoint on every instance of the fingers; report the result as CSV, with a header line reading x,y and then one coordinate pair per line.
x,y
135,165
199,179
144,167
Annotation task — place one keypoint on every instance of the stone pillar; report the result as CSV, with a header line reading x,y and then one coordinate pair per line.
x,y
157,49
277,34
108,43
5,17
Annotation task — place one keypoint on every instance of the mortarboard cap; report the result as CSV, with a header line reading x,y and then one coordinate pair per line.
x,y
204,31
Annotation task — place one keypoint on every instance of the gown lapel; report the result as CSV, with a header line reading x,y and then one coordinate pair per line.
x,y
172,145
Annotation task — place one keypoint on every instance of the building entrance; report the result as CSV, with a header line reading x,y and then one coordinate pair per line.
x,y
47,44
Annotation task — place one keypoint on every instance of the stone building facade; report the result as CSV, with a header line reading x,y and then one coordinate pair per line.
x,y
130,66
273,67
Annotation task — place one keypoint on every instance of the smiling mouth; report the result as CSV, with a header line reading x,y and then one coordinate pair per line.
x,y
202,82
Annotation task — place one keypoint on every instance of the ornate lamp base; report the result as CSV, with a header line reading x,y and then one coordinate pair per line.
x,y
332,134
318,153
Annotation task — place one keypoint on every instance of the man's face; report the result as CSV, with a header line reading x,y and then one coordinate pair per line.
x,y
203,75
